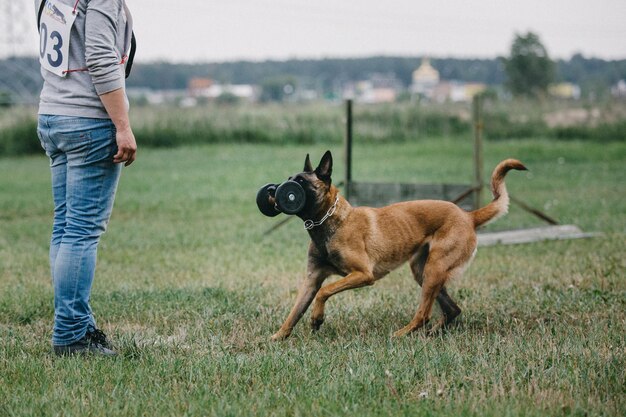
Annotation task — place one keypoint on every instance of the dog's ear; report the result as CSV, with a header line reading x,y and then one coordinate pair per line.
x,y
307,164
325,169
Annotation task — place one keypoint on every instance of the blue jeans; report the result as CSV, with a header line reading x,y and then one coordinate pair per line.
x,y
84,180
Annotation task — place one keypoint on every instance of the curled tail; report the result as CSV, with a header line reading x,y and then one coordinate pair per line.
x,y
499,206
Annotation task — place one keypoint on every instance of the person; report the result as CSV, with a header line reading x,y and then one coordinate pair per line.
x,y
84,128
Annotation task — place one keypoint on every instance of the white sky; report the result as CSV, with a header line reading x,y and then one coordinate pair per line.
x,y
211,30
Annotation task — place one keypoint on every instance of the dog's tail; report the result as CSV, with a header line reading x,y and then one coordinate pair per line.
x,y
499,206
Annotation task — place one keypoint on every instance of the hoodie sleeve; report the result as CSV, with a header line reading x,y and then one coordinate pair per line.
x,y
101,54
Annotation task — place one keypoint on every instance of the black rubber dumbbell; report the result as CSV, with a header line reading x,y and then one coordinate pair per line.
x,y
265,200
290,197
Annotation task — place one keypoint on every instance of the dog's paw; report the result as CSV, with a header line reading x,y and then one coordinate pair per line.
x,y
442,326
280,335
316,323
436,330
403,331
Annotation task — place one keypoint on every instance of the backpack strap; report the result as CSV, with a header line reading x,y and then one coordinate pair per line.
x,y
131,55
41,6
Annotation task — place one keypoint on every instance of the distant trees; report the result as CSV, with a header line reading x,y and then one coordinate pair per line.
x,y
595,76
529,69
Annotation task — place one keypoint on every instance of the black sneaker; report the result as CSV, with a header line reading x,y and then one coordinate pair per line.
x,y
94,342
99,337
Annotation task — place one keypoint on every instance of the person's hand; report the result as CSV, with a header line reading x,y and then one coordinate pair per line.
x,y
115,104
126,147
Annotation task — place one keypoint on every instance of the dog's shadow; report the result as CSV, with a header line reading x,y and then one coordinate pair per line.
x,y
381,321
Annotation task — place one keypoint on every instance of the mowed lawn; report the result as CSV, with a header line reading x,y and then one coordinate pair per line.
x,y
190,290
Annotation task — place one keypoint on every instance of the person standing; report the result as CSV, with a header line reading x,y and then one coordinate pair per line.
x,y
83,126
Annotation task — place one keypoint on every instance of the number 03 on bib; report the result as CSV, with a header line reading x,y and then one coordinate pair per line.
x,y
55,26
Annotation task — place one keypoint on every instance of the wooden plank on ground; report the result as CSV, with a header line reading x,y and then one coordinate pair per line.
x,y
512,237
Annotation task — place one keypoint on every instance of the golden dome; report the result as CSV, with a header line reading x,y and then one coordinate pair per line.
x,y
426,72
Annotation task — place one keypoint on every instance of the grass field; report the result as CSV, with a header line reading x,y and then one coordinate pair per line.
x,y
318,123
190,292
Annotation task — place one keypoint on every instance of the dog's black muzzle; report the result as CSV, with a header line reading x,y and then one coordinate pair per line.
x,y
288,197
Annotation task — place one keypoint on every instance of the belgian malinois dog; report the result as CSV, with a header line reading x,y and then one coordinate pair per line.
x,y
363,244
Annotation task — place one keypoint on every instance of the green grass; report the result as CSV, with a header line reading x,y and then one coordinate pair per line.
x,y
190,292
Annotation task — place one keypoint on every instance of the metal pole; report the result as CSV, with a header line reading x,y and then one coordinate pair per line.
x,y
477,110
348,150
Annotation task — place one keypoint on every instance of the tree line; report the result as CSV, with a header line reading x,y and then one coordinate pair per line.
x,y
527,70
594,76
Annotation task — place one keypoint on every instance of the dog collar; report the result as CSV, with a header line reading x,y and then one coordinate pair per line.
x,y
310,224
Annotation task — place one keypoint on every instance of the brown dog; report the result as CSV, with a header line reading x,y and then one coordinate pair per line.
x,y
363,244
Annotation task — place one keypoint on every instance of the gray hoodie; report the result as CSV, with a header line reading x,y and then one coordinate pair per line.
x,y
99,38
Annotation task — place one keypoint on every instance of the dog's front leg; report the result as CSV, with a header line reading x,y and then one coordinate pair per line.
x,y
306,293
354,279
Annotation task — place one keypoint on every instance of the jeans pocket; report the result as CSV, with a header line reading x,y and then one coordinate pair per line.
x,y
102,145
85,140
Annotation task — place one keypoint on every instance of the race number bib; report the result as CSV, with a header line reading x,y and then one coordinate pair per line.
x,y
55,26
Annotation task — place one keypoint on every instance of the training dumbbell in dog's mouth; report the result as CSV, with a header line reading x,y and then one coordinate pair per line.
x,y
288,197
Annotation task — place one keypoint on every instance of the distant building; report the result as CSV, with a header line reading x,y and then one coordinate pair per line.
x,y
242,91
305,94
379,88
197,86
207,88
427,85
154,97
425,80
471,89
567,91
619,89
456,91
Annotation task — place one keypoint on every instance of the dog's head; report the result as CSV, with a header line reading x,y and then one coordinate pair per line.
x,y
316,184
303,194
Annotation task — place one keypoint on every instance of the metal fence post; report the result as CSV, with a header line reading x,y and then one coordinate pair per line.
x,y
348,149
477,111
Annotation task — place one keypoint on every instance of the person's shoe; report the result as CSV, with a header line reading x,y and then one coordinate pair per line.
x,y
98,336
94,342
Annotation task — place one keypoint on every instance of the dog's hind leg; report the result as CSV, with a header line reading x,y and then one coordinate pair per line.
x,y
417,263
446,259
430,290
449,308
308,289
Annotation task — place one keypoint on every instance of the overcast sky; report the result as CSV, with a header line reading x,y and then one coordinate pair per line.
x,y
211,30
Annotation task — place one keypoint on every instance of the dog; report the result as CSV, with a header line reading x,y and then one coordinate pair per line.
x,y
363,244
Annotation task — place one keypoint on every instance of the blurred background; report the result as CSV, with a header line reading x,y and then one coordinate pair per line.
x,y
271,71
229,95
